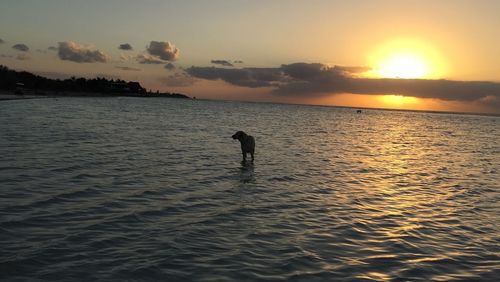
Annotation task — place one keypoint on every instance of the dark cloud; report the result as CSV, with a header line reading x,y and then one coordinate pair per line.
x,y
248,77
169,66
491,101
5,56
128,68
222,63
238,62
52,48
303,71
125,46
351,70
21,47
179,80
163,50
148,60
1,41
71,51
336,80
23,57
306,79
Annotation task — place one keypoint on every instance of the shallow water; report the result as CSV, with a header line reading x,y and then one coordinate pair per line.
x,y
117,189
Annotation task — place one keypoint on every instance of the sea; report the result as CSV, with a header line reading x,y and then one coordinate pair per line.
x,y
152,189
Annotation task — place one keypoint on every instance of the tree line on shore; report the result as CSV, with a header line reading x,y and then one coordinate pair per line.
x,y
22,81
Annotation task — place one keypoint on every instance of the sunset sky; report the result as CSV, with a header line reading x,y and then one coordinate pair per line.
x,y
425,55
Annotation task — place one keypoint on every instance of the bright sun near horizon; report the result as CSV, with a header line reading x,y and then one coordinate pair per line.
x,y
403,66
406,59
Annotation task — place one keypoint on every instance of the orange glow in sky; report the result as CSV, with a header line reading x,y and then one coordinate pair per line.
x,y
448,49
398,101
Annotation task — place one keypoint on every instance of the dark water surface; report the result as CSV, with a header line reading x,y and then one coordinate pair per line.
x,y
131,189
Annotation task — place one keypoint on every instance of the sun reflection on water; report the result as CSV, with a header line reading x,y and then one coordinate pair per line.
x,y
403,190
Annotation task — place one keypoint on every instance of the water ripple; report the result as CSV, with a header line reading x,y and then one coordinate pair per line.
x,y
139,190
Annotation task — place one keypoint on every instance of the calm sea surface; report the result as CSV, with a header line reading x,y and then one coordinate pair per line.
x,y
131,189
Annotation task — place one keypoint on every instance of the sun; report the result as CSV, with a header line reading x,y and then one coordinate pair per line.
x,y
404,65
406,59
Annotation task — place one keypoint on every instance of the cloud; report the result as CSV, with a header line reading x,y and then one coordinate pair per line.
x,y
125,57
169,66
340,80
23,57
163,50
125,46
248,77
128,68
2,41
303,71
5,56
148,60
179,80
351,70
238,62
52,48
222,63
21,47
315,79
71,51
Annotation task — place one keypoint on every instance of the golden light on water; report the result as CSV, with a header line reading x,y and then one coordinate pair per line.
x,y
406,58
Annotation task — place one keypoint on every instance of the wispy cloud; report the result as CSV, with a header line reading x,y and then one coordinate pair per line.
x,y
125,46
247,77
125,57
21,47
71,51
163,50
2,41
148,60
225,63
306,79
179,80
128,68
23,57
52,48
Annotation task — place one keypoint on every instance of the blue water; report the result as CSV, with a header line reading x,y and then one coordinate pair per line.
x,y
137,189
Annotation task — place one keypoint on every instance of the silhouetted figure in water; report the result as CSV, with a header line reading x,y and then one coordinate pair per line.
x,y
247,144
358,111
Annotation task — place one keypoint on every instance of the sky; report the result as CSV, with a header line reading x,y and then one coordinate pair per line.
x,y
422,55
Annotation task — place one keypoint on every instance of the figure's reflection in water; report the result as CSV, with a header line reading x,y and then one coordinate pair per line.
x,y
247,173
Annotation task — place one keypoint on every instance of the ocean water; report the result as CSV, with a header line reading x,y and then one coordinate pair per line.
x,y
134,189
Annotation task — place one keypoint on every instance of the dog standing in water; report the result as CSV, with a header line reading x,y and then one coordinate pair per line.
x,y
247,144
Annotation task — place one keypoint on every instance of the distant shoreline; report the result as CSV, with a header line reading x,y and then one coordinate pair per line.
x,y
6,96
26,85
31,94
